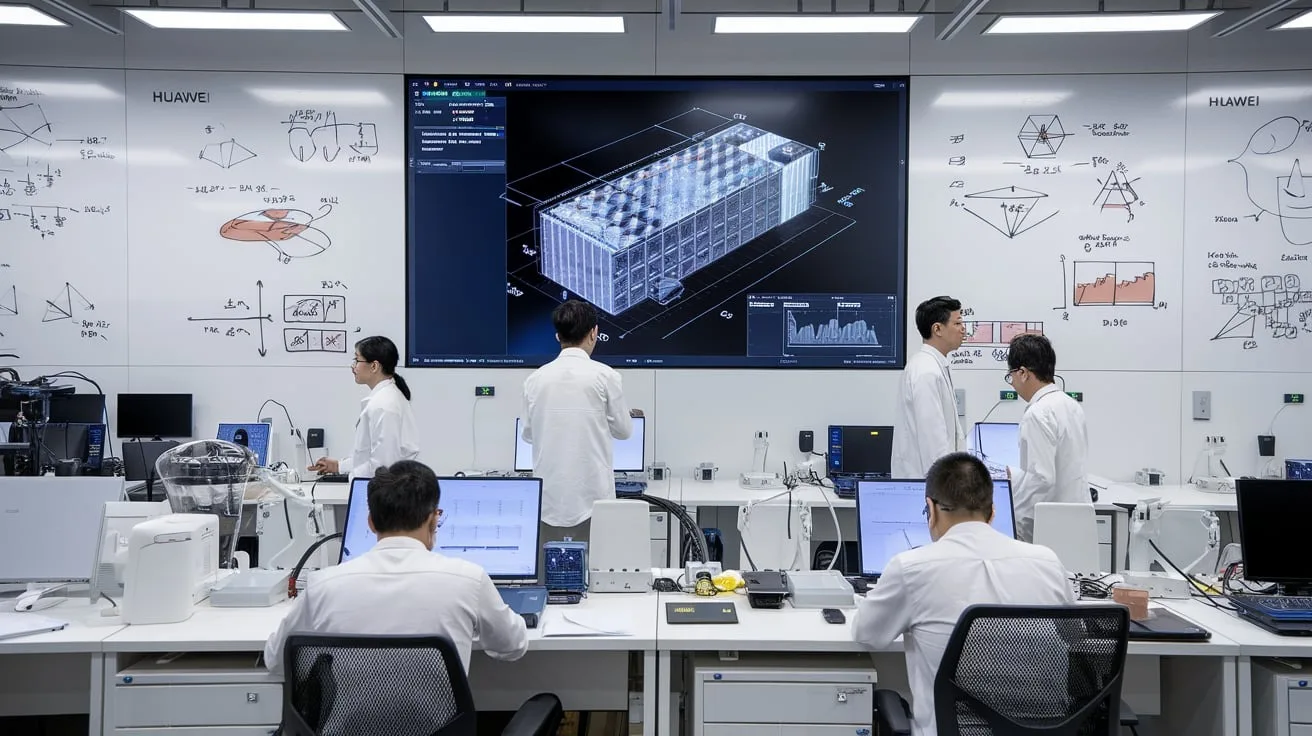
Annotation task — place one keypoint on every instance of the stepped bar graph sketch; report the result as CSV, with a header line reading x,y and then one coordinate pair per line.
x,y
999,333
637,235
808,327
1114,283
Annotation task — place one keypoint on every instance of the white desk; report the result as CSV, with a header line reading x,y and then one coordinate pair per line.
x,y
57,672
1194,687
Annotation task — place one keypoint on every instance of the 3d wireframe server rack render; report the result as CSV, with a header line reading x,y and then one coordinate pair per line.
x,y
637,236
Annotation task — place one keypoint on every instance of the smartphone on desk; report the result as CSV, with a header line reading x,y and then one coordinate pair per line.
x,y
833,616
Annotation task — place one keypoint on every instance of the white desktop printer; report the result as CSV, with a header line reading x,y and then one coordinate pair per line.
x,y
172,565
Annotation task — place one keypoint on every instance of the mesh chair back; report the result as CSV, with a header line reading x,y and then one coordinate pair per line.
x,y
377,685
1022,670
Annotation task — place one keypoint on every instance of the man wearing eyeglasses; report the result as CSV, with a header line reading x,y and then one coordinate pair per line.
x,y
400,586
1054,439
923,591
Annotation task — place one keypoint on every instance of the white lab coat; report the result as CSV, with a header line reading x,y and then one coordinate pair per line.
x,y
925,426
574,409
923,591
1054,450
385,432
399,587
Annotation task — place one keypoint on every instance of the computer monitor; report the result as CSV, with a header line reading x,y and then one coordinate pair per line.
x,y
1273,518
998,445
891,519
492,522
1298,469
78,408
629,455
860,450
50,529
255,436
144,416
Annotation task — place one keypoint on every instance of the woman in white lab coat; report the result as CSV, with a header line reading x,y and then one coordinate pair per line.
x,y
385,432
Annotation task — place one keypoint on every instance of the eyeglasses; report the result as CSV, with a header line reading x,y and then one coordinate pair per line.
x,y
441,518
940,506
1010,373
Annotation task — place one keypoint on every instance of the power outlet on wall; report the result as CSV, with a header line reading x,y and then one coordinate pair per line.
x,y
1202,405
961,402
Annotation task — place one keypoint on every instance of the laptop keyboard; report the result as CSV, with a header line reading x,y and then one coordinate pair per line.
x,y
1277,604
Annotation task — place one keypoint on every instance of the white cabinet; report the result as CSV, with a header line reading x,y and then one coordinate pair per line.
x,y
1282,700
804,695
205,694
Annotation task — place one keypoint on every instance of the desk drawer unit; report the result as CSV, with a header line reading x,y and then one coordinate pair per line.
x,y
209,694
1282,700
807,695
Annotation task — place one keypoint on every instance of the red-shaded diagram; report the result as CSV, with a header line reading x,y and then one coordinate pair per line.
x,y
999,333
290,232
1115,283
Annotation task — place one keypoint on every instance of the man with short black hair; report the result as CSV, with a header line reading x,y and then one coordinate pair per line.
x,y
923,591
402,586
1054,439
926,425
574,409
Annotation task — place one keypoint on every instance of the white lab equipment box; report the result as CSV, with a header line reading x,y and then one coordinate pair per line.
x,y
211,693
1282,700
803,695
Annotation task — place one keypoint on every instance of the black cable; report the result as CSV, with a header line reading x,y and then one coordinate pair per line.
x,y
296,571
1208,598
685,520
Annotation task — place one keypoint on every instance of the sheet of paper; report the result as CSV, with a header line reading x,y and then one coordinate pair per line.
x,y
578,623
14,624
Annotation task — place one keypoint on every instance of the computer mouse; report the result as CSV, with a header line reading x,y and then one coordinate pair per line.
x,y
36,603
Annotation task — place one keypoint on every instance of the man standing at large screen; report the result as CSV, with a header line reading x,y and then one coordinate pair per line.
x,y
574,409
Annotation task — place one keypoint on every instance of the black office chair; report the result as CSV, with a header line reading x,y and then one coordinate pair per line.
x,y
1026,671
389,686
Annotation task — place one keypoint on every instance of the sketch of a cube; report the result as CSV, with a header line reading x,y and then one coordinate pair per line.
x,y
637,236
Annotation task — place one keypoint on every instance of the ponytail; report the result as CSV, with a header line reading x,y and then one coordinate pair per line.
x,y
401,384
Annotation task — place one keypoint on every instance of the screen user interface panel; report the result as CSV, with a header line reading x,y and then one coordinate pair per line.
x,y
891,519
627,455
492,522
710,222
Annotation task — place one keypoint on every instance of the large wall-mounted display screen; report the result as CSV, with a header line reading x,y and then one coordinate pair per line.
x,y
713,223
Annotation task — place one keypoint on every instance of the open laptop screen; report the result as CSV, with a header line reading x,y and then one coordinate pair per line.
x,y
629,455
891,519
492,522
998,445
255,436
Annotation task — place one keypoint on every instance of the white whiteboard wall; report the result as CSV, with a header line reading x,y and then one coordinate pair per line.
x,y
1052,204
279,238
63,217
1248,273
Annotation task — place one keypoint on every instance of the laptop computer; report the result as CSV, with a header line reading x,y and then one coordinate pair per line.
x,y
255,436
890,518
998,445
629,456
492,522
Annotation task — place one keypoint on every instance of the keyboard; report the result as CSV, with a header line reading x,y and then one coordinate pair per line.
x,y
567,597
1277,606
630,487
332,478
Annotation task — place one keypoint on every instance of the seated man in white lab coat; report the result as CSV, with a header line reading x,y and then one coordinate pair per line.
x,y
401,586
923,591
926,426
1054,441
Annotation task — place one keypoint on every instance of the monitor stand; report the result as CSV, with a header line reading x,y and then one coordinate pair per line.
x,y
36,598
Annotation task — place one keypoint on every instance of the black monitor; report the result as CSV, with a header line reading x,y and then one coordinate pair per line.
x,y
1273,518
860,450
145,416
80,408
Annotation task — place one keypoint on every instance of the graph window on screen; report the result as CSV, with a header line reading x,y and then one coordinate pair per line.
x,y
492,522
629,454
998,445
712,222
891,519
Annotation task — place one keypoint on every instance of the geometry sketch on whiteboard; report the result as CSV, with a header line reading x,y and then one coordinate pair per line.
x,y
1114,284
998,334
9,302
314,341
227,154
1008,209
241,316
1274,179
1275,300
290,232
63,305
315,132
328,308
23,124
1118,193
1041,136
